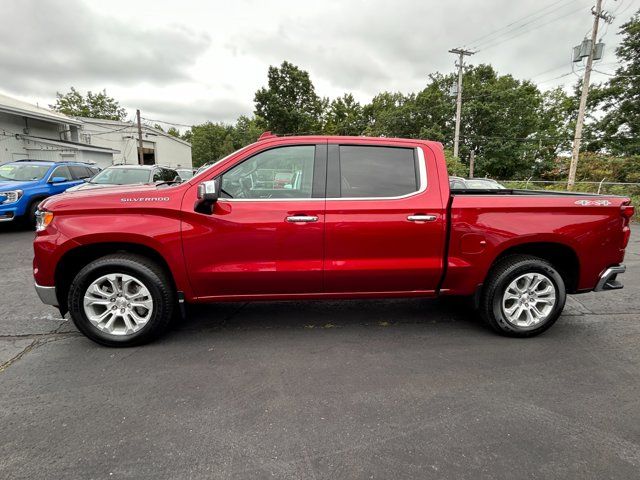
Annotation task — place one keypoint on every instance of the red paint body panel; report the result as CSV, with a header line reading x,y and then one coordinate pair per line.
x,y
371,247
593,233
357,249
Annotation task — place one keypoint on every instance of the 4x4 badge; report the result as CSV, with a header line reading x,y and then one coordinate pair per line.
x,y
593,203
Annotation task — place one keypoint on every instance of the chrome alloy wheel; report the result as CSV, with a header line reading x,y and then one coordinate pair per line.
x,y
529,300
118,304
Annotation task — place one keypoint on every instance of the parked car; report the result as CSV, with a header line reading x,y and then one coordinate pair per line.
x,y
361,218
204,167
186,173
128,175
25,183
459,183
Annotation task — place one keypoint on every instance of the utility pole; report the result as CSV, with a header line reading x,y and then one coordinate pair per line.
x,y
598,14
140,152
461,53
472,161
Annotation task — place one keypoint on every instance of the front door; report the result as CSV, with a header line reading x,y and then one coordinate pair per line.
x,y
60,173
385,225
265,236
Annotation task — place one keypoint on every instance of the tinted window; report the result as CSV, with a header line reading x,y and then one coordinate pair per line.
x,y
79,172
168,175
62,172
377,171
285,172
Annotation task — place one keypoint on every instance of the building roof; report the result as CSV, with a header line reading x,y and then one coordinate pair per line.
x,y
119,123
71,145
24,109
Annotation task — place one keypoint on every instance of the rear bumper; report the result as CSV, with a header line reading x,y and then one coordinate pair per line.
x,y
608,280
47,295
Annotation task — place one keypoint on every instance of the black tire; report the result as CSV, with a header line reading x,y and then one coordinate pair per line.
x,y
500,277
30,217
154,278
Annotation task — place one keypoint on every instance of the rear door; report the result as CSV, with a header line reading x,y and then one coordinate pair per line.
x,y
385,225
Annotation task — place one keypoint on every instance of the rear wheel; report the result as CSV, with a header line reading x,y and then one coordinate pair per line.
x,y
523,296
121,300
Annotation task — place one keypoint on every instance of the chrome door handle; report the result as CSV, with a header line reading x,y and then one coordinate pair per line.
x,y
302,219
421,218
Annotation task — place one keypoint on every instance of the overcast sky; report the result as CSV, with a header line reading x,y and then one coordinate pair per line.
x,y
190,61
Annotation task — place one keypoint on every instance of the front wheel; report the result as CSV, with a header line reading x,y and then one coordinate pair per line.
x,y
523,296
121,300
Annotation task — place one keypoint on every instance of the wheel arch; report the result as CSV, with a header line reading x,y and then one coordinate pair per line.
x,y
562,256
76,258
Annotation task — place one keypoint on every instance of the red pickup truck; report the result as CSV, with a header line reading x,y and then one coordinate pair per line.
x,y
322,217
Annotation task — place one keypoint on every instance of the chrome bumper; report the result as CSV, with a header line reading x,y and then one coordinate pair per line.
x,y
47,295
608,280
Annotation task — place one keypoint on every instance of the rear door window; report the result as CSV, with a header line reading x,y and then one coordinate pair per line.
x,y
62,171
373,172
79,172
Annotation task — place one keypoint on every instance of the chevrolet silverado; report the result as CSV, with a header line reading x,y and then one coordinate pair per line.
x,y
322,217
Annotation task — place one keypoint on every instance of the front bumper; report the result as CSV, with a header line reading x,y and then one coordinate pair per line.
x,y
47,295
6,214
608,280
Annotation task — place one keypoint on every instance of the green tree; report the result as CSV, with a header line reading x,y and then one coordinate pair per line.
x,y
246,131
391,115
344,117
619,98
93,105
289,104
209,142
174,132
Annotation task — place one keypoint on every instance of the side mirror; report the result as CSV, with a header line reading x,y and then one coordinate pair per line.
x,y
57,180
208,194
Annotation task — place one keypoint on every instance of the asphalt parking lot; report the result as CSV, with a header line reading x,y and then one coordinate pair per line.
x,y
349,389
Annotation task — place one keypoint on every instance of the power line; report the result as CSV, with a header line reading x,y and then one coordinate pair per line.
x,y
535,27
477,41
558,77
167,123
615,74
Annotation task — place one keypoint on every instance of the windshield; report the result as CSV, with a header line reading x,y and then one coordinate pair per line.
x,y
121,176
23,172
185,174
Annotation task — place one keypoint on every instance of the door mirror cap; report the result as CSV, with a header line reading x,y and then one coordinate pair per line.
x,y
209,191
208,194
57,180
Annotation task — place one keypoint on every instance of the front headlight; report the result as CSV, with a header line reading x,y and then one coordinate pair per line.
x,y
10,196
43,220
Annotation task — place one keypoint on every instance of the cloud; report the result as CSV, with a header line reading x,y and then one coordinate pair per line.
x,y
215,110
153,54
45,43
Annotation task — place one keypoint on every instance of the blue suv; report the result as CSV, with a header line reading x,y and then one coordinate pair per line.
x,y
25,183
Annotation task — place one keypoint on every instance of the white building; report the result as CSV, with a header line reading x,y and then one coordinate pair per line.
x,y
29,131
159,147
